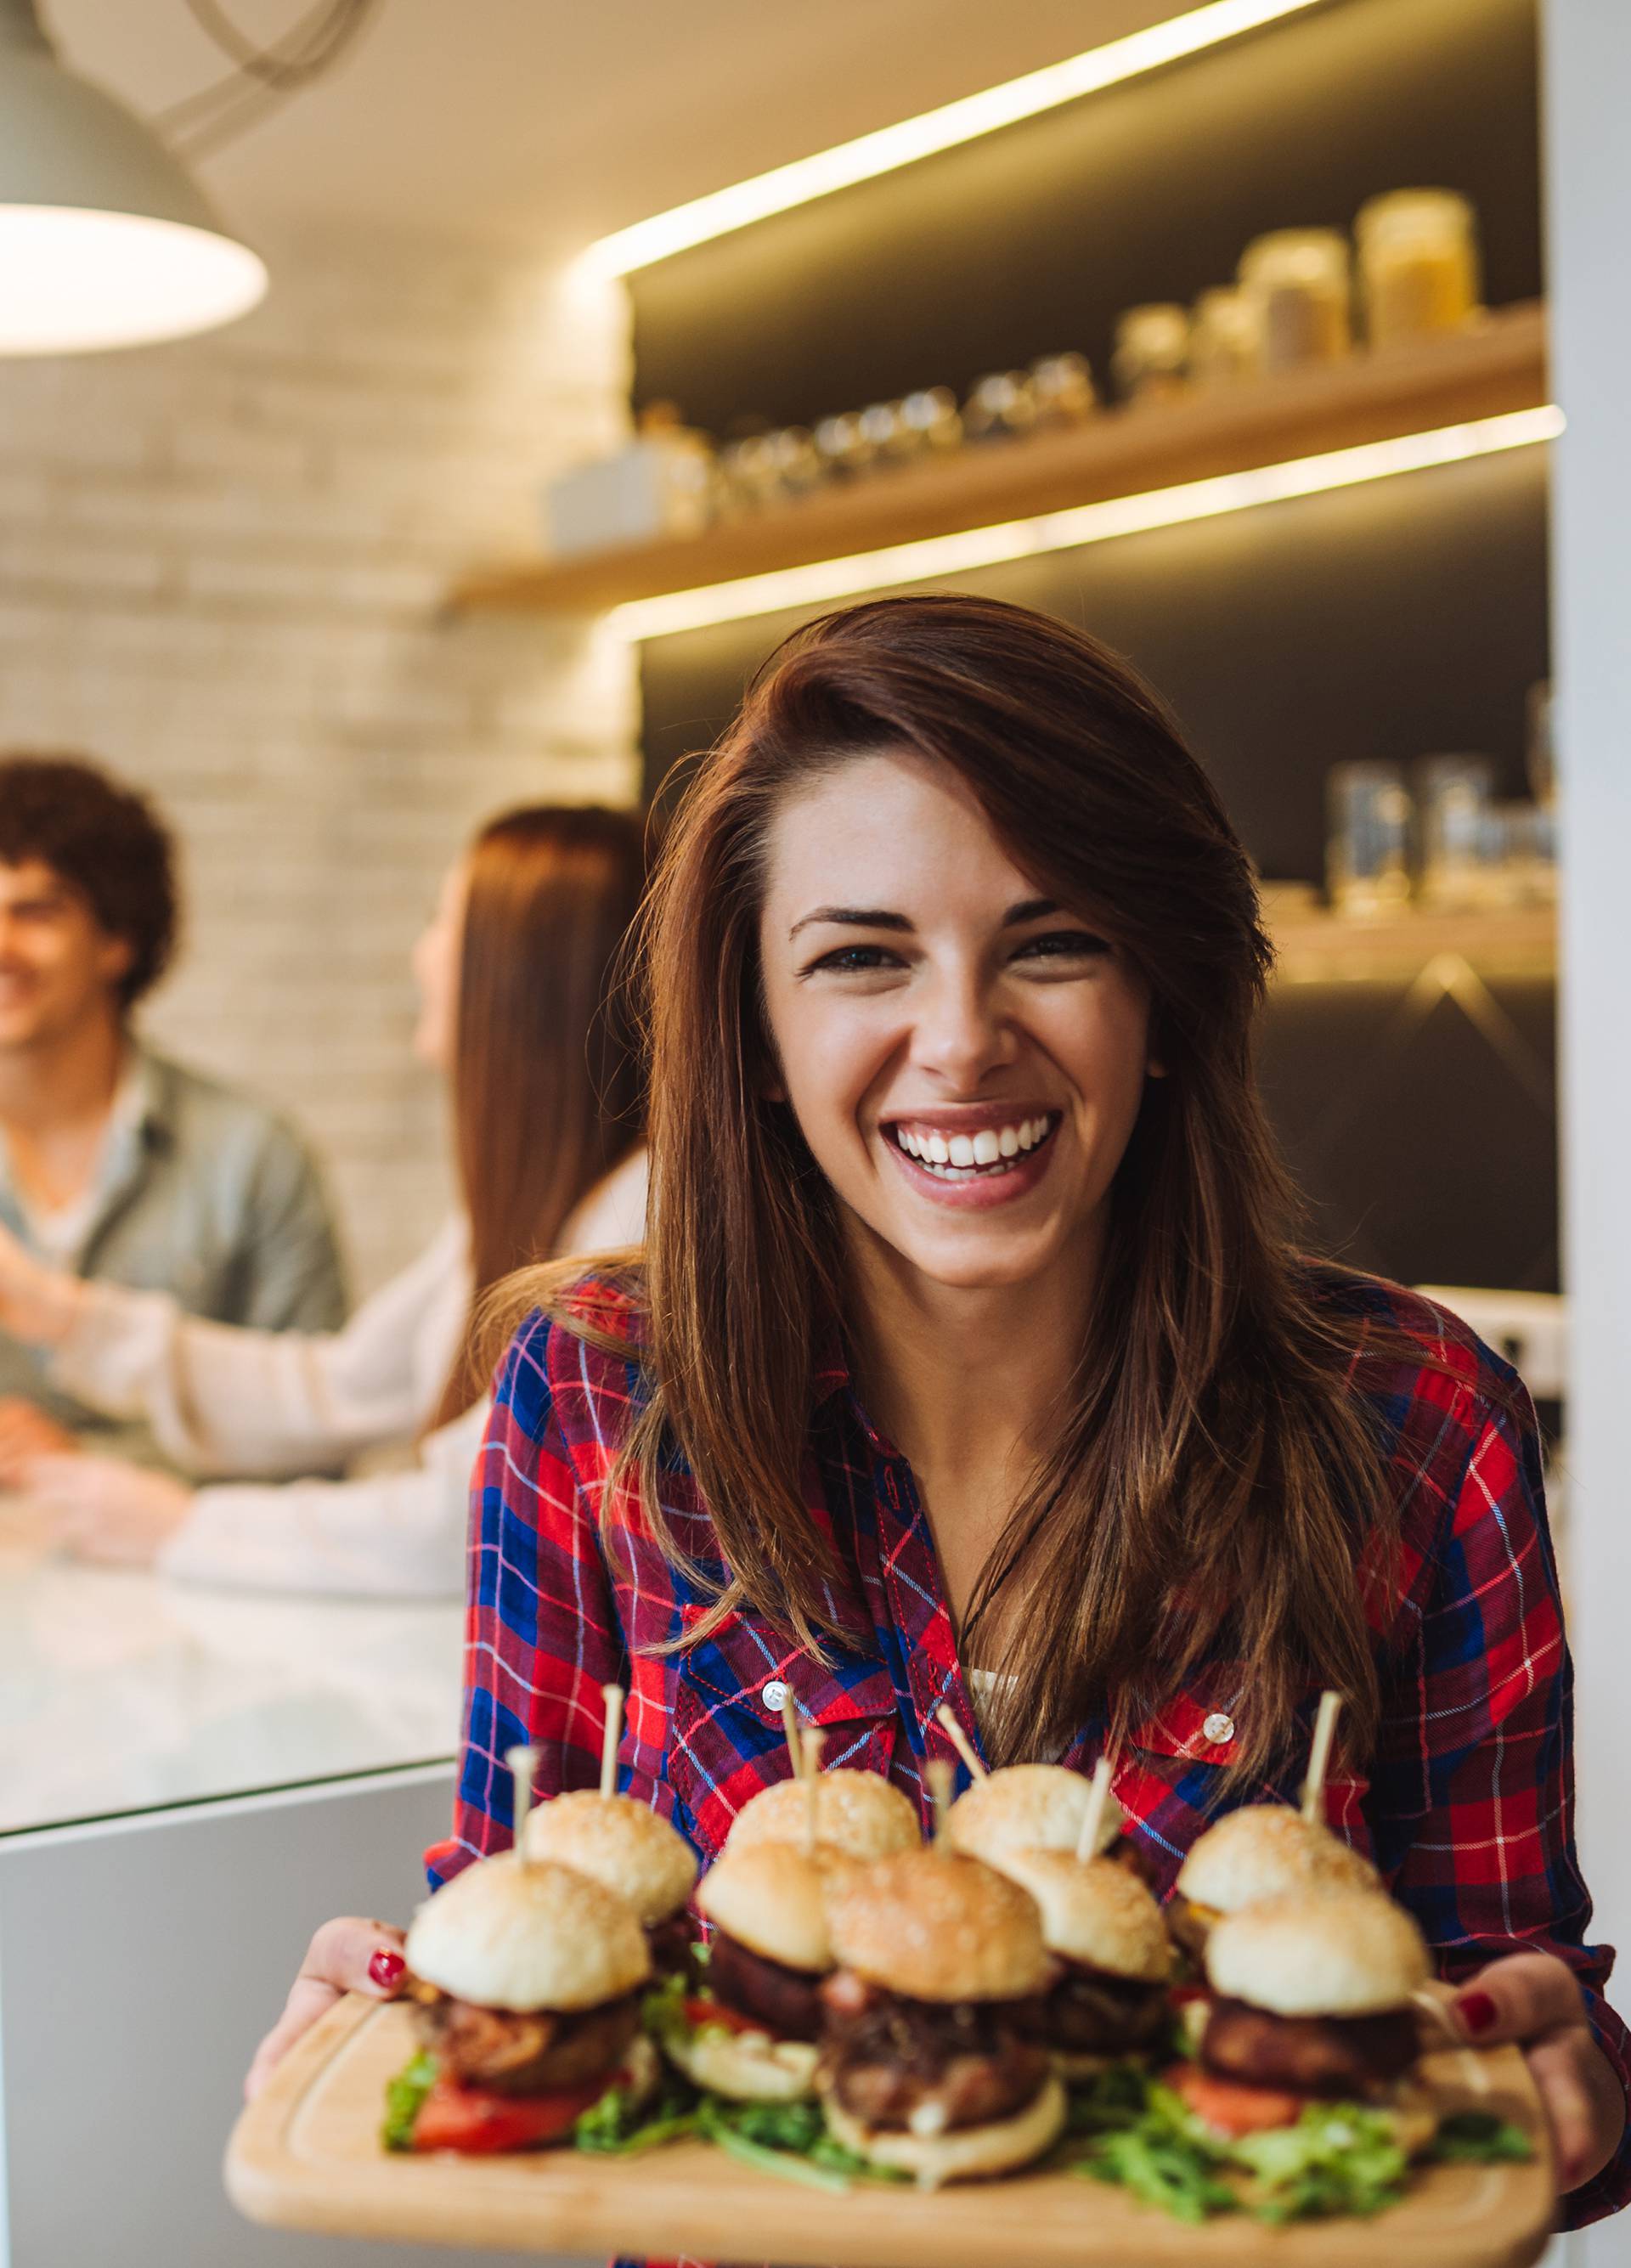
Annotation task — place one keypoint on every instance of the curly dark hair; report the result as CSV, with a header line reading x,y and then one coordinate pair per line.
x,y
106,841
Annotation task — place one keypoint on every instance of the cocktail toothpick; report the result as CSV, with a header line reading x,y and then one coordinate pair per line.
x,y
940,1776
1092,1818
522,1761
790,1728
1319,1758
815,1741
961,1742
610,1738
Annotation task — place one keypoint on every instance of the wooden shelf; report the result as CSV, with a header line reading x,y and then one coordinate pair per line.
x,y
1318,947
1498,366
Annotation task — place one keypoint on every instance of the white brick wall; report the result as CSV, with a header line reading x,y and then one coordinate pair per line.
x,y
221,568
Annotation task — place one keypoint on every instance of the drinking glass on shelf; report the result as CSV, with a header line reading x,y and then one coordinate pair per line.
x,y
932,417
1460,847
1418,265
1367,839
1225,339
1002,407
1063,389
1151,358
1299,284
1528,837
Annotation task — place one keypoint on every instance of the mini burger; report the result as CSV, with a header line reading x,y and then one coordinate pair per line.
x,y
1032,1807
858,1814
620,1842
1105,1932
526,1985
1260,1852
1311,2002
930,2064
750,2033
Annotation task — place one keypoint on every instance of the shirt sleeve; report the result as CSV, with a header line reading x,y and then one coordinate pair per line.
x,y
542,1634
398,1536
288,1276
1474,1791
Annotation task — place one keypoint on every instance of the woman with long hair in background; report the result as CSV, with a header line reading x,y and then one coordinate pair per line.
x,y
520,1006
970,1362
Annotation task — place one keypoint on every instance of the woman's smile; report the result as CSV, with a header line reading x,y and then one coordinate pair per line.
x,y
991,1154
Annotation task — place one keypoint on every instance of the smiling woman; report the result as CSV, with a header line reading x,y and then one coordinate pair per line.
x,y
970,1350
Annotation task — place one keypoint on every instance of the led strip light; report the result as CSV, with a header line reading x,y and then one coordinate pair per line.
x,y
937,555
890,147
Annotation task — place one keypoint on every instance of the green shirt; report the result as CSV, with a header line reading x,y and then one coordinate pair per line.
x,y
205,1194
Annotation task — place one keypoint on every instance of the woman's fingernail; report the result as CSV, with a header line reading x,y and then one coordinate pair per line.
x,y
1477,2011
385,1967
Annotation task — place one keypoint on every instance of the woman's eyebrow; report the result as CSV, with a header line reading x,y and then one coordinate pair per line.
x,y
852,917
1028,909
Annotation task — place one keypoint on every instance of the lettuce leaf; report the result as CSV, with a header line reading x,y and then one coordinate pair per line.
x,y
615,2126
1479,2138
403,2095
1338,2158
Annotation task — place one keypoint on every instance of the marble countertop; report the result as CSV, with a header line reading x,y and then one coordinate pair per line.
x,y
121,1692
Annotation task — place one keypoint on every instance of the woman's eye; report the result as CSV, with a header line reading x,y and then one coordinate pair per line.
x,y
1065,945
854,959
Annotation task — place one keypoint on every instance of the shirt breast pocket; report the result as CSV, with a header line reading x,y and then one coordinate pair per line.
x,y
726,1738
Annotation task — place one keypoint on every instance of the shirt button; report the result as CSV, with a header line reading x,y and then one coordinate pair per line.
x,y
1218,1729
775,1694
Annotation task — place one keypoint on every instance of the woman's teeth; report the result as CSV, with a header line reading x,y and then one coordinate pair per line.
x,y
991,1150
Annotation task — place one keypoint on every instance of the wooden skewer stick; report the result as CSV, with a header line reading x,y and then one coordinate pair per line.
x,y
610,1738
1098,1796
522,1760
790,1727
961,1742
1435,2008
940,1776
1319,1758
815,1741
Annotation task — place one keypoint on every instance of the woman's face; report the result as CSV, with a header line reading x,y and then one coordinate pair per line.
x,y
966,1059
435,954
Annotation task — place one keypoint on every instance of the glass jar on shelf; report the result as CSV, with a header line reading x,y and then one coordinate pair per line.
x,y
1460,849
1225,339
1150,361
930,416
1418,265
841,446
1299,285
1366,840
1002,407
1064,390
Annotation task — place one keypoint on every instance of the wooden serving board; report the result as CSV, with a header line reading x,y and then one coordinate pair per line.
x,y
306,2154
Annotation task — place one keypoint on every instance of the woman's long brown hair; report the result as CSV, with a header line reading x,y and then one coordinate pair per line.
x,y
547,1086
1216,1480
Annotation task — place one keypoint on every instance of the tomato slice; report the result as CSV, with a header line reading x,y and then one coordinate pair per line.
x,y
476,2121
1230,2105
700,2010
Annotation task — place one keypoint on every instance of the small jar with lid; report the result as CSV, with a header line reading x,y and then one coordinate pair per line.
x,y
1418,265
1299,285
1225,339
1151,358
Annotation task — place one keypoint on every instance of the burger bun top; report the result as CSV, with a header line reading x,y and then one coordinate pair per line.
x,y
771,1898
1026,1807
1268,1851
938,1926
1334,1953
1094,1912
858,1813
525,1938
619,1842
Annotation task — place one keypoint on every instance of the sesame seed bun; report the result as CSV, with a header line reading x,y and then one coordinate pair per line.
x,y
1268,1850
771,1898
504,1935
747,2066
965,2153
858,1813
619,1842
1340,1953
937,1926
1094,1912
1026,1807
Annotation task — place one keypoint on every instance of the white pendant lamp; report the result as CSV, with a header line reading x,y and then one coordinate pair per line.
x,y
104,240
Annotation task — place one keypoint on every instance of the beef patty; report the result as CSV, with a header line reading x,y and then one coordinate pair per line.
x,y
1315,2055
885,2057
1088,2012
512,2054
786,2002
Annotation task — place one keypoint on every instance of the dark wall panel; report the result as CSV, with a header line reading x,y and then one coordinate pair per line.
x,y
1033,239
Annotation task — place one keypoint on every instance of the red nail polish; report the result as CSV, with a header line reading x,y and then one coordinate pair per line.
x,y
385,1967
1477,2011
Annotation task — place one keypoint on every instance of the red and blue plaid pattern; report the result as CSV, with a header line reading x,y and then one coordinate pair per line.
x,y
1466,1805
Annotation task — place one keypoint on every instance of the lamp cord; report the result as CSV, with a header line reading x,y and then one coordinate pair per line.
x,y
261,76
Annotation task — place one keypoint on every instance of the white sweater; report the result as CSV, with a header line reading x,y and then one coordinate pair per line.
x,y
276,1404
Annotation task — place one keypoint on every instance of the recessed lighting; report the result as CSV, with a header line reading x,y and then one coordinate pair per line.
x,y
937,555
954,122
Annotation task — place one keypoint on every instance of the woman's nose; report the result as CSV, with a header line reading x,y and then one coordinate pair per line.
x,y
959,1034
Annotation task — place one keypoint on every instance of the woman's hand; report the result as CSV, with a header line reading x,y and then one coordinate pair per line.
x,y
1534,1999
37,1302
345,1957
27,1433
103,1509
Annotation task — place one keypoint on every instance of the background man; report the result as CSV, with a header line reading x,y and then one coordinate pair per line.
x,y
114,1161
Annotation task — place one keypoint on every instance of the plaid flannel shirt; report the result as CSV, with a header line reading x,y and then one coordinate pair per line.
x,y
1466,1805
